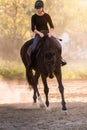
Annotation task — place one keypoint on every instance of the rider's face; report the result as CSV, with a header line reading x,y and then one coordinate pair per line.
x,y
39,10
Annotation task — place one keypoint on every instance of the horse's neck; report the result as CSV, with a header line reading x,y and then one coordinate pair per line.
x,y
47,44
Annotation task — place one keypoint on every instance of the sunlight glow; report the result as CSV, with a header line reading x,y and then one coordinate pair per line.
x,y
83,3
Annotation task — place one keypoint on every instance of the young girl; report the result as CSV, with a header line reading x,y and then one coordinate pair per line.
x,y
39,25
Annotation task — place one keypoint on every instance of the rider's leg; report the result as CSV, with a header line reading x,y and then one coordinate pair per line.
x,y
34,45
56,42
63,62
35,42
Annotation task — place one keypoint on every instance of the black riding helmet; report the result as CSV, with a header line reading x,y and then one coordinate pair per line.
x,y
39,4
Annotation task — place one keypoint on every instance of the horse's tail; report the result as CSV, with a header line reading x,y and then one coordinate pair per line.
x,y
30,77
25,60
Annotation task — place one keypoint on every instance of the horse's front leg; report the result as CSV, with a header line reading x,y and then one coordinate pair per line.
x,y
46,89
34,96
61,89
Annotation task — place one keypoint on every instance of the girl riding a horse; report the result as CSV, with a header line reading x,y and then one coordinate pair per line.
x,y
39,25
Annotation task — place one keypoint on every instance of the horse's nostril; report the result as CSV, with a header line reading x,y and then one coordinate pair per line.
x,y
51,76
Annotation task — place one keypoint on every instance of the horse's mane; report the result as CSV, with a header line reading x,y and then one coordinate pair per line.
x,y
46,43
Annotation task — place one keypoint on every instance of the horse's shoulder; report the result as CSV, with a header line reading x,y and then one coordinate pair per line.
x,y
47,42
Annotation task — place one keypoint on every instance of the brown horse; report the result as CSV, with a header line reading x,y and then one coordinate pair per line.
x,y
47,63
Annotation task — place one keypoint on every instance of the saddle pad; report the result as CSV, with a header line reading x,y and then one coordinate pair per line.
x,y
29,50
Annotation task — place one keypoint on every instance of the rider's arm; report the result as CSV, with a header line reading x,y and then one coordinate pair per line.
x,y
51,25
33,27
50,32
38,32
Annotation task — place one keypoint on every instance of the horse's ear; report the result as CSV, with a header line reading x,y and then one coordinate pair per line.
x,y
45,37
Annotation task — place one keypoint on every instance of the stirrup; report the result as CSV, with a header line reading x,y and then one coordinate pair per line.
x,y
63,62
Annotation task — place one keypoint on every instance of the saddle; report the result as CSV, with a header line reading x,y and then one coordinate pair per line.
x,y
32,56
29,50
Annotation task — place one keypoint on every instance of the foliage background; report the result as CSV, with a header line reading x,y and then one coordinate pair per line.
x,y
70,21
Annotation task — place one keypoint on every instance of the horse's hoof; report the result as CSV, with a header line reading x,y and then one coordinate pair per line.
x,y
41,102
64,108
48,109
65,113
42,105
34,101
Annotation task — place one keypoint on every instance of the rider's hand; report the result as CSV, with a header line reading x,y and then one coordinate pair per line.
x,y
41,34
49,34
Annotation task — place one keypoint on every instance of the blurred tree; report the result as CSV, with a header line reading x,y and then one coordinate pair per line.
x,y
15,20
14,23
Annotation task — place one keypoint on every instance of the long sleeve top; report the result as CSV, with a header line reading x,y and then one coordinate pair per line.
x,y
41,22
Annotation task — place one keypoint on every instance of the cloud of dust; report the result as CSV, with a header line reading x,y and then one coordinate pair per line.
x,y
14,93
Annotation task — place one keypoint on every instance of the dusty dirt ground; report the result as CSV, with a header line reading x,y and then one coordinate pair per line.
x,y
17,112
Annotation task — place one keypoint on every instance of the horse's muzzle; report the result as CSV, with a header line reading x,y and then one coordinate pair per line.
x,y
50,75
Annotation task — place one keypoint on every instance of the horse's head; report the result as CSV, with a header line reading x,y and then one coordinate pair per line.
x,y
50,62
48,56
51,57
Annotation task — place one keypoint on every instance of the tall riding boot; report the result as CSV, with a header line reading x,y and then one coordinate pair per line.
x,y
63,62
